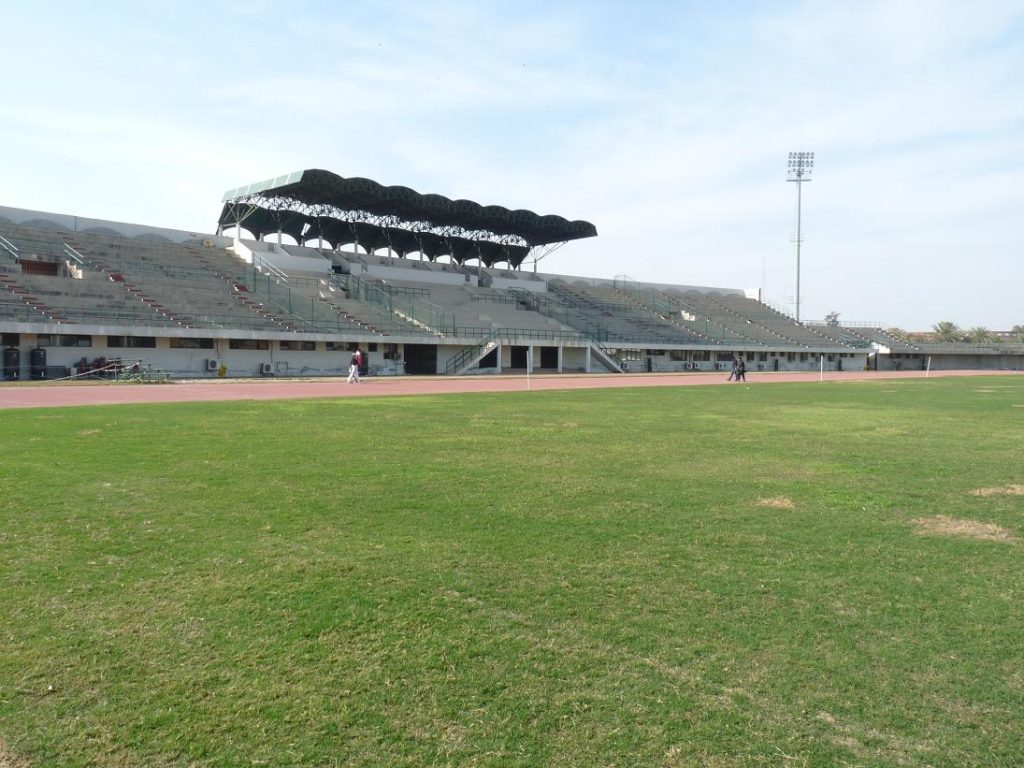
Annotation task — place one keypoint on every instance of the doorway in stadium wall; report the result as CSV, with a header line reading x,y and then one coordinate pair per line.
x,y
490,360
420,359
517,358
548,358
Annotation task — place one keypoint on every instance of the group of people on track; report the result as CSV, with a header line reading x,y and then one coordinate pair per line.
x,y
739,370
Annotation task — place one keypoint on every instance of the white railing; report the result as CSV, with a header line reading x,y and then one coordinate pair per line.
x,y
847,323
8,246
74,255
264,265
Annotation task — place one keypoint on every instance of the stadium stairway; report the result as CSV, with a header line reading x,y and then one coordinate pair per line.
x,y
470,356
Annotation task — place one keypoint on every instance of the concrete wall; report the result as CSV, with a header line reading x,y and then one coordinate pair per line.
x,y
102,226
279,258
321,361
574,360
633,284
975,362
536,286
192,363
411,274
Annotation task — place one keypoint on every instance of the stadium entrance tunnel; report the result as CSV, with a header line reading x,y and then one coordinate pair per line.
x,y
420,359
517,357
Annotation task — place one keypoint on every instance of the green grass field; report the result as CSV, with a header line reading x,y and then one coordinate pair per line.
x,y
780,574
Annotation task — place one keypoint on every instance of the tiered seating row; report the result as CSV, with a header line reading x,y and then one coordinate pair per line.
x,y
752,319
879,336
65,297
69,299
672,309
761,314
179,281
466,310
842,335
94,289
324,307
622,318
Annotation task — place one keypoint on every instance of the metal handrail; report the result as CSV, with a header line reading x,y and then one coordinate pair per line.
x,y
74,255
261,263
10,247
467,353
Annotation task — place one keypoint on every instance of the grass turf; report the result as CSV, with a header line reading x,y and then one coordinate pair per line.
x,y
722,576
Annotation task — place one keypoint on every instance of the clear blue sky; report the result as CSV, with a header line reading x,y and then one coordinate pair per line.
x,y
667,124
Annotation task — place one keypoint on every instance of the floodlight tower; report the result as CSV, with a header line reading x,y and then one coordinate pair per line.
x,y
800,166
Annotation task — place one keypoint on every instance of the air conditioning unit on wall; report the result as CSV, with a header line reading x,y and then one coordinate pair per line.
x,y
212,365
266,369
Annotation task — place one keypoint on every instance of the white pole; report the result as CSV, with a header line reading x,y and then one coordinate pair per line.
x,y
799,184
821,376
928,368
529,365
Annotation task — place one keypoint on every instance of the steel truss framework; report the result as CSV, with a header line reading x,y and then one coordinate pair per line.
x,y
318,205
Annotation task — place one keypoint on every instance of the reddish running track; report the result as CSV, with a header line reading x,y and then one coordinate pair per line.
x,y
48,395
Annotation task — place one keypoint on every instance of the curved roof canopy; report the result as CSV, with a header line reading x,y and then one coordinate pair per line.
x,y
317,203
300,227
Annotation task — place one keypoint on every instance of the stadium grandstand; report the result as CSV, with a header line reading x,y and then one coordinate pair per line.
x,y
304,268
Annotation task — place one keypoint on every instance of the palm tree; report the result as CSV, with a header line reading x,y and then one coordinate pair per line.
x,y
947,331
979,335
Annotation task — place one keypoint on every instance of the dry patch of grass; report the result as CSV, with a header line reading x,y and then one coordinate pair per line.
x,y
873,745
1005,490
8,760
944,525
777,502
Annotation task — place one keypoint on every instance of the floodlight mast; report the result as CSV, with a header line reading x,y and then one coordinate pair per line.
x,y
799,170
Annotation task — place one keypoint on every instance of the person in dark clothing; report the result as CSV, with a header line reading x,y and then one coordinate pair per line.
x,y
741,370
353,367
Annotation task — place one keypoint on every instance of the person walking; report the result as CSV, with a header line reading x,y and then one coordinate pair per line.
x,y
734,374
353,367
741,370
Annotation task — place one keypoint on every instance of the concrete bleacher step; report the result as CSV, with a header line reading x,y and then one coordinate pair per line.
x,y
159,268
